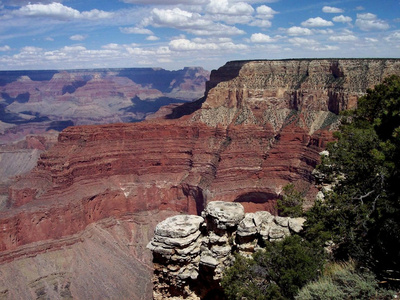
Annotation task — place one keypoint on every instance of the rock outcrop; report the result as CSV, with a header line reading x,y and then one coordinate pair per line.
x,y
191,252
261,126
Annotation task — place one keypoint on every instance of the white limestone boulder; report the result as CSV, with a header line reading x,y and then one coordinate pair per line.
x,y
225,214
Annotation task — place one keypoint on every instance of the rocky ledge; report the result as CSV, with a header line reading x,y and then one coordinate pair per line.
x,y
191,252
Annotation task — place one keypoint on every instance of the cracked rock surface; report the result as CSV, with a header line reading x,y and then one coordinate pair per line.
x,y
190,253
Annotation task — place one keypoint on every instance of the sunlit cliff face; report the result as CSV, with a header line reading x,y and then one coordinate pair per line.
x,y
261,126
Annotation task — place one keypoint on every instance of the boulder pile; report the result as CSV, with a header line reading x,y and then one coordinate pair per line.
x,y
191,252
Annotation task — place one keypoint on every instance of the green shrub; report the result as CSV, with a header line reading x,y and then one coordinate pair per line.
x,y
321,290
291,203
275,273
246,280
361,214
342,281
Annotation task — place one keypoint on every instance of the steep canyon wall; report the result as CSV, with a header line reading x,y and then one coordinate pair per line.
x,y
36,105
261,126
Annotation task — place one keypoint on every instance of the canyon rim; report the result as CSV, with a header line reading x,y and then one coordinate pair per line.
x,y
77,225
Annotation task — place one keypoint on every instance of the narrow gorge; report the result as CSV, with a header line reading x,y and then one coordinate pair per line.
x,y
77,226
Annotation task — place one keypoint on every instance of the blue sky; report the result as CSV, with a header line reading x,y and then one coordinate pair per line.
x,y
172,34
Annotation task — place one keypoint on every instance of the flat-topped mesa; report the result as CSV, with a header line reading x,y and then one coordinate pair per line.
x,y
190,253
326,85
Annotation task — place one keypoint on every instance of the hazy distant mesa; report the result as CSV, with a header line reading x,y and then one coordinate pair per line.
x,y
57,99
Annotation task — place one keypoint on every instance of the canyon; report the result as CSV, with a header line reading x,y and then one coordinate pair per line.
x,y
39,101
36,105
77,225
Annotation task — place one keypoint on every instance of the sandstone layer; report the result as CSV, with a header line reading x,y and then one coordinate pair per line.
x,y
105,261
37,101
39,104
261,125
190,253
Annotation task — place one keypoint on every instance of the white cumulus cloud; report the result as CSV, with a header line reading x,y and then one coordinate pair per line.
x,y
111,55
188,21
73,48
176,18
332,10
324,48
95,14
148,52
257,1
61,12
342,19
205,44
111,46
316,22
371,40
393,37
261,23
187,45
302,41
25,2
343,38
261,38
263,16
78,37
368,22
31,49
224,7
296,31
311,44
135,30
5,48
323,31
54,10
152,38
167,2
265,12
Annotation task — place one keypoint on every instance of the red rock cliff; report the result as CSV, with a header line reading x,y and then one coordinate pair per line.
x,y
261,126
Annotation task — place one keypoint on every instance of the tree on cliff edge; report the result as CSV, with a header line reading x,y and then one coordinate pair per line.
x,y
362,213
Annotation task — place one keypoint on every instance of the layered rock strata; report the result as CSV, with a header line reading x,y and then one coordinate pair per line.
x,y
43,103
191,252
253,134
107,260
261,126
96,96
